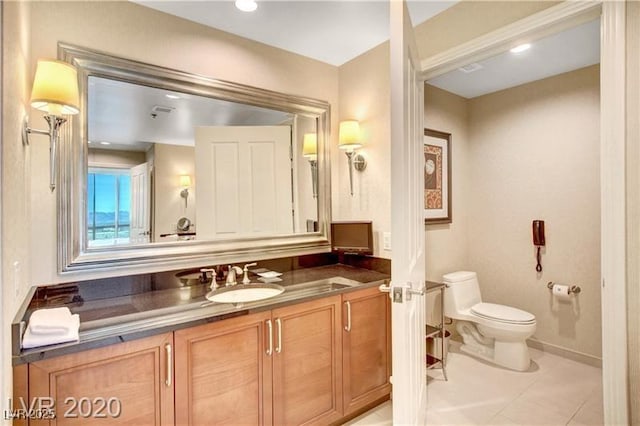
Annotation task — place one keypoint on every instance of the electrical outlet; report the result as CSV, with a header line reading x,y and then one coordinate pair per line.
x,y
386,241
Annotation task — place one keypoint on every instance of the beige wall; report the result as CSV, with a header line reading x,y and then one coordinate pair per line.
x,y
534,154
171,161
365,96
447,244
16,259
131,31
531,152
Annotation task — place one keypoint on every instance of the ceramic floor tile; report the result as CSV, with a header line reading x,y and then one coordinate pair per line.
x,y
378,416
561,395
476,412
384,411
501,420
554,391
591,412
367,418
528,413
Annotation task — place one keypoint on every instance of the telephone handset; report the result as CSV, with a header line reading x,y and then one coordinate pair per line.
x,y
538,240
538,232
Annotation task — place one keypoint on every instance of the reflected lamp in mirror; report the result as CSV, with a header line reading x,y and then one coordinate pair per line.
x,y
350,141
310,152
185,183
55,92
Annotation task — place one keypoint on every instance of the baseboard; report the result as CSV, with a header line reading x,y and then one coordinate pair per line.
x,y
555,350
565,353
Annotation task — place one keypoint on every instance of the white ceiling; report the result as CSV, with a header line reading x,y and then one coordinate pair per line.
x,y
329,31
569,50
121,113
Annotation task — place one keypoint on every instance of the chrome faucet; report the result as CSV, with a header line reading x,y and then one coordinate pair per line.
x,y
245,279
232,275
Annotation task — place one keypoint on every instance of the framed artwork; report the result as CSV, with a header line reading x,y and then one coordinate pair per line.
x,y
437,177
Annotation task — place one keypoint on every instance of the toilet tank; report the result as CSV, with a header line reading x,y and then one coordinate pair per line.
x,y
461,293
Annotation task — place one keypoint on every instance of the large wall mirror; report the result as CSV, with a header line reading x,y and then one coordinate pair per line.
x,y
165,167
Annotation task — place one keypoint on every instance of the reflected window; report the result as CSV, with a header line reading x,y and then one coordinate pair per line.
x,y
108,206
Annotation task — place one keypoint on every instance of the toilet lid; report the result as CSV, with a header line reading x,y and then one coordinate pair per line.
x,y
502,313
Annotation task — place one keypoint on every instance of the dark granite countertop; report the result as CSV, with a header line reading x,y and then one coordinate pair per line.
x,y
128,308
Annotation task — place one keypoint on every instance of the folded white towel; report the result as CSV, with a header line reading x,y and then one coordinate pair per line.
x,y
51,321
31,340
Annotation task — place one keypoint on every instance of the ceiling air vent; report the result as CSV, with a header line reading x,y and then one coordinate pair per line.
x,y
470,68
161,108
157,109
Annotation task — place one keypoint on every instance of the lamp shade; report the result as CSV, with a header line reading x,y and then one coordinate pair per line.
x,y
310,145
185,180
55,88
349,136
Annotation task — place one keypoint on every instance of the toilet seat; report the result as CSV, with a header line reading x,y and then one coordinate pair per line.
x,y
502,313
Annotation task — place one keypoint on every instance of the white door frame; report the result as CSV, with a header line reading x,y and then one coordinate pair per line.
x,y
3,325
612,164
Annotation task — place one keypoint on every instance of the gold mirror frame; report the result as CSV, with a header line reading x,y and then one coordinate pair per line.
x,y
73,252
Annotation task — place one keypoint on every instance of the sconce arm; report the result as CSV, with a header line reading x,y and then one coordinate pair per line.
x,y
350,157
314,177
185,194
54,122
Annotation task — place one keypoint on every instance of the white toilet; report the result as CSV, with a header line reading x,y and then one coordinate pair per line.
x,y
496,333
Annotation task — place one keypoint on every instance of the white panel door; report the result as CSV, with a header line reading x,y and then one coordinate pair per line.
x,y
243,175
407,224
139,222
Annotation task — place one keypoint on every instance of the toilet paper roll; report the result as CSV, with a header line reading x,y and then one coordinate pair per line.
x,y
561,292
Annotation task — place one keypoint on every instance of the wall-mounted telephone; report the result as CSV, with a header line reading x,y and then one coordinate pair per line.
x,y
538,240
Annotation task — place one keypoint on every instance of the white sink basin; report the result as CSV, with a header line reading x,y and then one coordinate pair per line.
x,y
244,293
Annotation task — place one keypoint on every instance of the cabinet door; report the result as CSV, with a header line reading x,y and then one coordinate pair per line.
x,y
223,373
366,347
307,366
127,383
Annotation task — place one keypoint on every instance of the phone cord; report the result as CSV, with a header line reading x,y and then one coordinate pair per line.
x,y
538,266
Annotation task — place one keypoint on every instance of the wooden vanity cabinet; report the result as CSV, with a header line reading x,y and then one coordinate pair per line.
x,y
223,373
88,386
310,363
307,363
366,353
281,367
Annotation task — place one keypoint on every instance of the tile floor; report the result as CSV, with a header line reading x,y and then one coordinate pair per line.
x,y
555,391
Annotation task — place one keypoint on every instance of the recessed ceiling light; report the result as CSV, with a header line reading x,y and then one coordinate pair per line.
x,y
520,48
246,5
105,143
170,96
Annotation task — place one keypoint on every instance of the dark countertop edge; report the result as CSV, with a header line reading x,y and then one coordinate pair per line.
x,y
147,329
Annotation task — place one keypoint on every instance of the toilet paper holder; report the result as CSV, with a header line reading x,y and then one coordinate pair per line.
x,y
573,289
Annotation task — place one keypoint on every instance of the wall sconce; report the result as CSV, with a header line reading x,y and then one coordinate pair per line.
x,y
185,182
310,152
55,91
349,140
